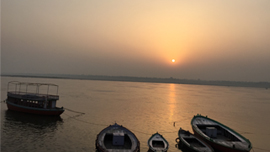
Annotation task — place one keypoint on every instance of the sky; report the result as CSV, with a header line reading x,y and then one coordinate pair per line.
x,y
209,39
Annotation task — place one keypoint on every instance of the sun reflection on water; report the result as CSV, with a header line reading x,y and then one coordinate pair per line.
x,y
172,101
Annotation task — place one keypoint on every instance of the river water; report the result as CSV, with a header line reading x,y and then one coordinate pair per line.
x,y
143,108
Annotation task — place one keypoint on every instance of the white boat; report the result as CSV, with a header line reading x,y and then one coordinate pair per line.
x,y
117,138
219,136
157,143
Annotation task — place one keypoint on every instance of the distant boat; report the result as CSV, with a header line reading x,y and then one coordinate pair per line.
x,y
117,138
192,143
28,98
157,143
219,136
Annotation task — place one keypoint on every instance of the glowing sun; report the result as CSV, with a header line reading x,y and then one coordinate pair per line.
x,y
173,60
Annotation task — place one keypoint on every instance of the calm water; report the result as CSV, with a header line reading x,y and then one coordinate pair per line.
x,y
143,108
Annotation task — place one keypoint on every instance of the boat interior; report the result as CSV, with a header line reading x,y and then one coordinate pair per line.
x,y
194,142
110,142
217,132
158,144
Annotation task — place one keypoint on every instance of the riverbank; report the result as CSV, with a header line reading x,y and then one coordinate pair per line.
x,y
265,85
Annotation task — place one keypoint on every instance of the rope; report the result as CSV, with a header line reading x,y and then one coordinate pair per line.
x,y
180,120
165,132
81,113
168,132
246,132
74,117
260,149
140,132
74,111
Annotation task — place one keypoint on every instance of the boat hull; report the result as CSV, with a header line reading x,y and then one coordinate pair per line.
x,y
151,150
220,137
184,147
117,138
217,147
160,143
192,143
32,110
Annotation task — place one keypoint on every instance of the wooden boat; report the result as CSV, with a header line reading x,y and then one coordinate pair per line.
x,y
158,143
218,136
33,98
117,138
192,143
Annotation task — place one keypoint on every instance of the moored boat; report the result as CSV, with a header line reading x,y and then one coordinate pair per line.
x,y
219,136
117,138
33,98
158,143
192,143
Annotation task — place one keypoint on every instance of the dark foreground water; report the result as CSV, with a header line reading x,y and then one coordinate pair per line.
x,y
143,108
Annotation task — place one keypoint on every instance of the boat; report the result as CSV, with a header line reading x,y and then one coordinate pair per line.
x,y
117,138
192,143
33,98
157,143
218,136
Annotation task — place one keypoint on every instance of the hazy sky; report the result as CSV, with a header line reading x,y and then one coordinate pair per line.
x,y
209,39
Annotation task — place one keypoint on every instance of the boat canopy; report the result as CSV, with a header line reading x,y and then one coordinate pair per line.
x,y
32,88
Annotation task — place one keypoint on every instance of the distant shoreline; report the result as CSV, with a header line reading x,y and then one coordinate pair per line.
x,y
265,85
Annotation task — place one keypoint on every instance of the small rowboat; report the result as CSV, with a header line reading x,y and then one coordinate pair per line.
x,y
219,136
192,143
117,138
158,143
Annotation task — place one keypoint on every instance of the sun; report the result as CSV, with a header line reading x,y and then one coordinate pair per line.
x,y
173,60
